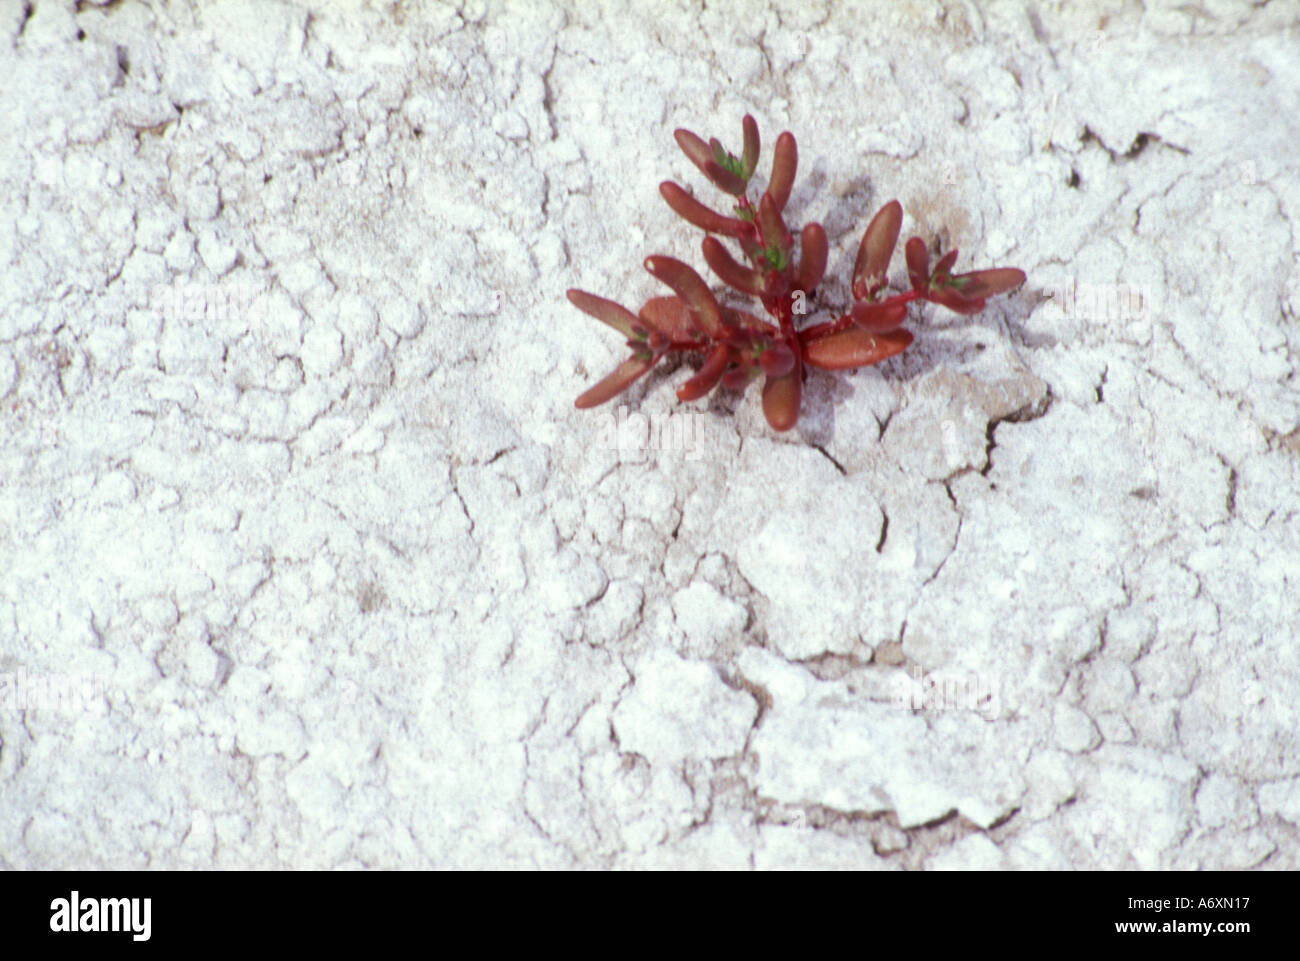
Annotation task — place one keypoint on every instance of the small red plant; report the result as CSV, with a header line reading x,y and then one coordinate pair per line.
x,y
736,345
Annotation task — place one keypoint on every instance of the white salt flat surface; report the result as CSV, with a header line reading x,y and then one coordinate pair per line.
x,y
292,486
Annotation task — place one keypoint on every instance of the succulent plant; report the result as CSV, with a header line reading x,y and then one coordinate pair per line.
x,y
736,345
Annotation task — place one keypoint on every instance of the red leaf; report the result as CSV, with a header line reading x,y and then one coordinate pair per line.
x,y
918,264
777,360
989,283
770,224
956,302
622,377
669,316
749,155
879,318
944,266
785,161
749,243
781,397
730,272
876,249
606,311
691,287
855,348
724,179
698,215
715,365
813,251
696,150
705,157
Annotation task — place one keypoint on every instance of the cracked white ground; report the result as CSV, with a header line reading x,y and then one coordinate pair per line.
x,y
292,487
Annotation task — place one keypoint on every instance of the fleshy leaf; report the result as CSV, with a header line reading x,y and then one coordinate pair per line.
x,y
875,251
698,215
988,283
785,161
944,266
855,348
715,365
957,302
878,318
918,264
781,396
670,316
606,311
691,287
724,179
771,226
696,150
813,251
749,155
707,156
622,377
777,360
729,271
